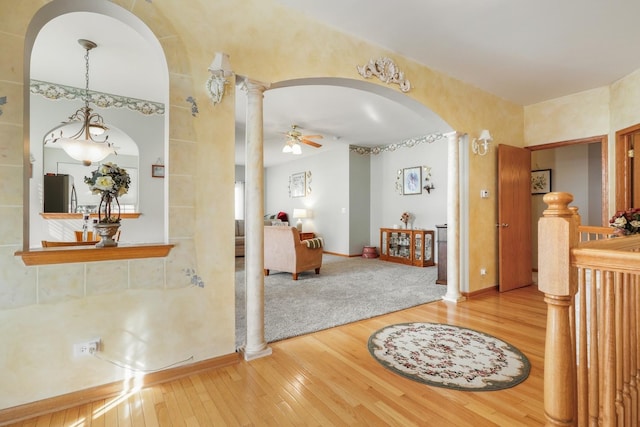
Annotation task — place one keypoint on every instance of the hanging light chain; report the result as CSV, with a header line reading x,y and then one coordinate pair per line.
x,y
86,77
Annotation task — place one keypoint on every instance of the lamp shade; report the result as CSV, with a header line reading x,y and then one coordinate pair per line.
x,y
85,151
485,136
221,65
300,213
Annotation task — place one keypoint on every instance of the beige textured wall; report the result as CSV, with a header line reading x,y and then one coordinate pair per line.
x,y
145,310
571,117
600,111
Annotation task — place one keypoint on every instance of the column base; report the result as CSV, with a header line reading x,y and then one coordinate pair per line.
x,y
251,355
454,298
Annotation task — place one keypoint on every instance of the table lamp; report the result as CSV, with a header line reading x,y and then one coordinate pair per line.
x,y
300,213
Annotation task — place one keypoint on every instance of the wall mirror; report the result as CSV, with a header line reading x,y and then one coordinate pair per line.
x,y
128,87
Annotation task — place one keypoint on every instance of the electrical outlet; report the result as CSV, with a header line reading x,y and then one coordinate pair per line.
x,y
483,271
87,348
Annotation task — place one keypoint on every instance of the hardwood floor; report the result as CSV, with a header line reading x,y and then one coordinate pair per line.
x,y
328,378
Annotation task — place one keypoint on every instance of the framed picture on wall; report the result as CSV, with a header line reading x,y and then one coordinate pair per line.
x,y
541,181
297,184
157,171
411,180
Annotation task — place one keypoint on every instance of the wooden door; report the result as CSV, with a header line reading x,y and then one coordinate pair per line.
x,y
514,217
634,159
628,168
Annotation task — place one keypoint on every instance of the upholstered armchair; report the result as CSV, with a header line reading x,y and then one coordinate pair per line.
x,y
283,251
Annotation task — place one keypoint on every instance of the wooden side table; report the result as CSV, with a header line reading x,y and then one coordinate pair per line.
x,y
306,235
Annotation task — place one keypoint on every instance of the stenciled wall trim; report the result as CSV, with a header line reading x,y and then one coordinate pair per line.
x,y
103,100
386,70
407,143
194,105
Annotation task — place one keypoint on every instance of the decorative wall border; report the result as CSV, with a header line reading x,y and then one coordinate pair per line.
x,y
407,143
103,100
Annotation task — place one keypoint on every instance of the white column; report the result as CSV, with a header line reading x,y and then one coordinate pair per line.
x,y
254,229
453,220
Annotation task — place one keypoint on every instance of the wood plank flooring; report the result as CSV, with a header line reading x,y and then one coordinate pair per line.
x,y
329,379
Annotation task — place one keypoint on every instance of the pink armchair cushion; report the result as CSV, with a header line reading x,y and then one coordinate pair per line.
x,y
283,251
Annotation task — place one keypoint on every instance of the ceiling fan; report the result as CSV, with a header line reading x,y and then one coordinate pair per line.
x,y
295,138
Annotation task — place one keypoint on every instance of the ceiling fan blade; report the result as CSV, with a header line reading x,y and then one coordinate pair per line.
x,y
312,136
311,143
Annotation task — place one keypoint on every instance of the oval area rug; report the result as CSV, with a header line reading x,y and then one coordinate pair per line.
x,y
449,356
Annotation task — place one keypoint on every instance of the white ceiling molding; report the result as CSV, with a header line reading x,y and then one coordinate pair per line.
x,y
386,70
407,143
102,100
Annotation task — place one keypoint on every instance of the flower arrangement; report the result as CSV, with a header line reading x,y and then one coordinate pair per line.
x,y
405,218
626,222
110,182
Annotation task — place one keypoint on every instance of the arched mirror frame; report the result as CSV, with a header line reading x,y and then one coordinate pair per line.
x,y
39,256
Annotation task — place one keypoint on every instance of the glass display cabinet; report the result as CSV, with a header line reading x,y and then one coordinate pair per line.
x,y
411,247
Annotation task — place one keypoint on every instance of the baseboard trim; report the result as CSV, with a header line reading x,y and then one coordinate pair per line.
x,y
81,397
489,290
336,254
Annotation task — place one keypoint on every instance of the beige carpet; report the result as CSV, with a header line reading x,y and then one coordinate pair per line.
x,y
346,290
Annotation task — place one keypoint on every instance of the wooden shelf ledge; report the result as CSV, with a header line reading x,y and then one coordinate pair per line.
x,y
71,254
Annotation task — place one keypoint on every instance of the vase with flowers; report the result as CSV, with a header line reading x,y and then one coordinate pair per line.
x,y
626,222
405,218
110,182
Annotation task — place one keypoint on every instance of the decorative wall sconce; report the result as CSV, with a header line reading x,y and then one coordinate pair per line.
x,y
399,181
428,185
480,145
220,69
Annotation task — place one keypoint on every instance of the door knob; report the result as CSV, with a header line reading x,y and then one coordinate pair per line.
x,y
502,225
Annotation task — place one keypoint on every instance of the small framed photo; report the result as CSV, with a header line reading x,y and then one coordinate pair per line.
x,y
541,181
298,184
412,180
157,171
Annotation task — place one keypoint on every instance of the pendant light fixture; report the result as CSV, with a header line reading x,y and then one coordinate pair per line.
x,y
77,136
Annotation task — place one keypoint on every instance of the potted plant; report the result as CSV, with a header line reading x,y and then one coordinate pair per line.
x,y
626,222
110,182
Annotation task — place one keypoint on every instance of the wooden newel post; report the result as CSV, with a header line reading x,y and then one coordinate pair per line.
x,y
557,234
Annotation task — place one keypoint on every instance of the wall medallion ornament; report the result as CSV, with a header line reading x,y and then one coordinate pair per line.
x,y
386,70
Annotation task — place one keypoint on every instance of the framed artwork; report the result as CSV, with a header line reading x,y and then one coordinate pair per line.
x,y
541,181
157,171
298,184
412,180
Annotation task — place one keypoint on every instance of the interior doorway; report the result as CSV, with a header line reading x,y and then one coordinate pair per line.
x,y
578,167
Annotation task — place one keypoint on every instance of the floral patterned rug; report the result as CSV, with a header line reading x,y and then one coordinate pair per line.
x,y
449,356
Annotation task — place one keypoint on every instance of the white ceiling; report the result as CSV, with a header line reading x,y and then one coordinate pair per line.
x,y
525,52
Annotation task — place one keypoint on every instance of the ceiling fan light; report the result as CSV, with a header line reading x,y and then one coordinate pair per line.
x,y
296,149
287,149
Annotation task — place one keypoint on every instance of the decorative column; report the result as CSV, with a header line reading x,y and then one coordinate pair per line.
x,y
255,346
453,220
